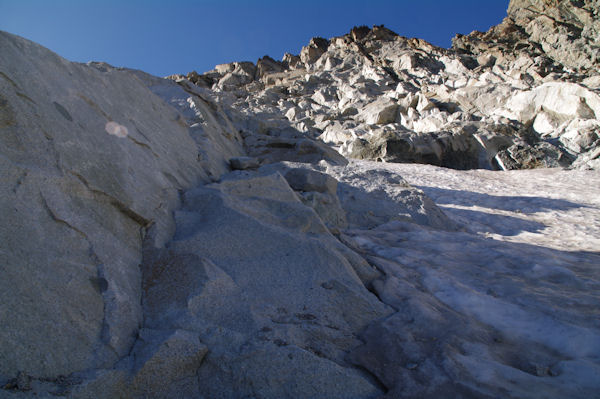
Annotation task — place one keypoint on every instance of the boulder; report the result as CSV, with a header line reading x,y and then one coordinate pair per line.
x,y
276,149
540,155
557,99
380,112
232,81
315,188
580,136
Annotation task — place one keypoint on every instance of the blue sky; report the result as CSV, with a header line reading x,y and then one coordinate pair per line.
x,y
178,36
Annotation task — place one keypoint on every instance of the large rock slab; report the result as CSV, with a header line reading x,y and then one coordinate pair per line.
x,y
380,112
90,158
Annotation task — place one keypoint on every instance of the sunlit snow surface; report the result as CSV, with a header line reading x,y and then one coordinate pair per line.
x,y
508,306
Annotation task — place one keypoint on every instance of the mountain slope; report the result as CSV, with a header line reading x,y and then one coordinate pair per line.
x,y
203,238
523,95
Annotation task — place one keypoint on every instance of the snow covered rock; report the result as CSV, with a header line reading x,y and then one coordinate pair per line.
x,y
498,313
371,196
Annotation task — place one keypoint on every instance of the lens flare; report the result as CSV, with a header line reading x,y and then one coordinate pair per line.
x,y
115,129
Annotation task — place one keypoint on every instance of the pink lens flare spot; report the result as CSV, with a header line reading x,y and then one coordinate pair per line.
x,y
115,129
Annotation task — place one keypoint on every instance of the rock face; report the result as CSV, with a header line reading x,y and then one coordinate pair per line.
x,y
496,100
76,192
278,306
117,284
563,33
206,236
83,178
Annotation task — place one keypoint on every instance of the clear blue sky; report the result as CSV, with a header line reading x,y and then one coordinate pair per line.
x,y
178,36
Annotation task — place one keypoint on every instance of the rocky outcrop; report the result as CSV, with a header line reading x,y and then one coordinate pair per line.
x,y
557,35
281,298
83,178
91,159
371,87
136,263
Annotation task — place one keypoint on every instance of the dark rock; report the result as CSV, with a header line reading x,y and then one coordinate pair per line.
x,y
539,155
310,180
457,151
242,163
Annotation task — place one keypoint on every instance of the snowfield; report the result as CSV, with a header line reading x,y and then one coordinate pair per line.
x,y
509,302
552,208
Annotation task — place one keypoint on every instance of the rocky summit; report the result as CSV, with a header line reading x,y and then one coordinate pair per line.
x,y
375,217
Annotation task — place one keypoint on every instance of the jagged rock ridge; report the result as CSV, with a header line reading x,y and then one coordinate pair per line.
x,y
523,95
